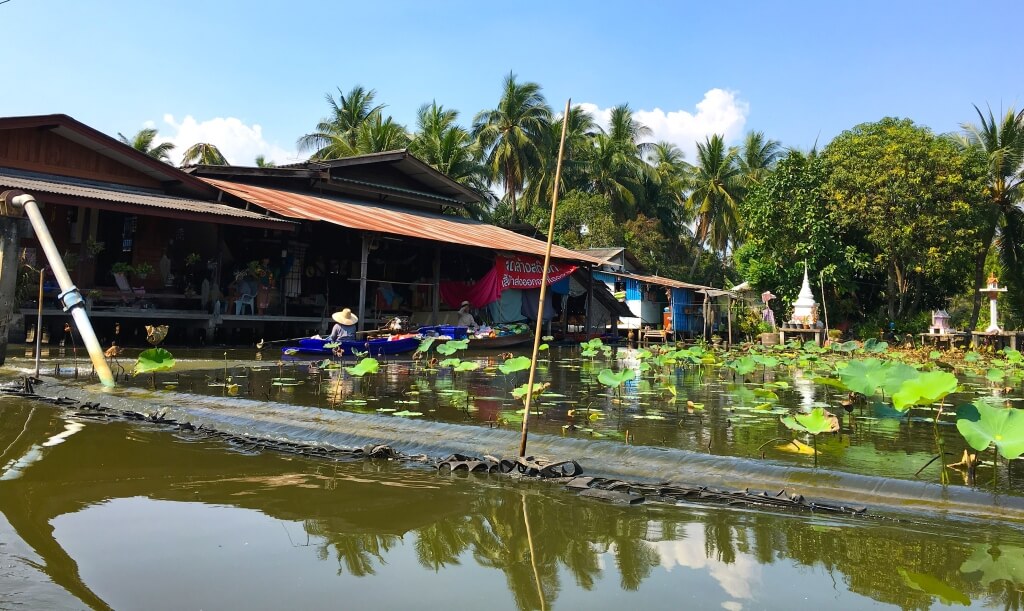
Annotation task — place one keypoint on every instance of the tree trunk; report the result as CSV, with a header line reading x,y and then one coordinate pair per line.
x,y
9,242
511,191
891,292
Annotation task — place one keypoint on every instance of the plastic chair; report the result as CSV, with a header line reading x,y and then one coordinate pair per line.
x,y
245,300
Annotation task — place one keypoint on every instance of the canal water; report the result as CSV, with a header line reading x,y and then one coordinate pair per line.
x,y
133,516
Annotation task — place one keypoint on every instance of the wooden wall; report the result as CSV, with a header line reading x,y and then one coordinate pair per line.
x,y
41,150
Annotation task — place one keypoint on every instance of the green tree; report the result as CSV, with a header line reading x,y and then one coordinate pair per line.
x,y
913,197
757,158
789,221
203,153
263,162
448,147
1001,143
715,191
579,136
511,135
337,135
378,134
143,141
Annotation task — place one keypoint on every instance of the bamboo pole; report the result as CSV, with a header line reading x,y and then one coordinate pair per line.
x,y
543,287
39,318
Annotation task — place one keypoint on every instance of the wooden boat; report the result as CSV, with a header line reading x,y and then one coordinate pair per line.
x,y
499,342
375,346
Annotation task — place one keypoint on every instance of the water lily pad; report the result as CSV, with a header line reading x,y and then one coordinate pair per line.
x,y
982,425
153,359
407,414
512,365
363,367
467,366
924,389
613,379
817,421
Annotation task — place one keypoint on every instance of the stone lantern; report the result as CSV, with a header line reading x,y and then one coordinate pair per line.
x,y
993,289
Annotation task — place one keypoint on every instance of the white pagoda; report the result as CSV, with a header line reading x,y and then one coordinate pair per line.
x,y
804,308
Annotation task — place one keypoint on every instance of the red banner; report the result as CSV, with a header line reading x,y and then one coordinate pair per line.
x,y
519,272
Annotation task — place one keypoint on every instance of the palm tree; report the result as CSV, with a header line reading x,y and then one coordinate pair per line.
x,y
263,162
203,153
378,134
615,172
1002,144
665,186
510,134
626,131
143,142
757,157
579,137
448,147
337,134
715,188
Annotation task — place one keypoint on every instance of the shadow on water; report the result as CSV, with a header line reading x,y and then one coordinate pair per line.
x,y
125,516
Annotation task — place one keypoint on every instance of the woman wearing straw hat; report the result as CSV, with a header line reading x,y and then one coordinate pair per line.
x,y
465,318
345,325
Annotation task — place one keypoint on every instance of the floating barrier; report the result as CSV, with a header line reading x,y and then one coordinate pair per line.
x,y
568,472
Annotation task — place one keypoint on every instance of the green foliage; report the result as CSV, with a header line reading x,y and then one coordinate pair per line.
x,y
816,422
613,379
983,425
924,389
867,376
363,367
153,359
514,364
910,199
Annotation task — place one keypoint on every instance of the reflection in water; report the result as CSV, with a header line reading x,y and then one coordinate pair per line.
x,y
373,525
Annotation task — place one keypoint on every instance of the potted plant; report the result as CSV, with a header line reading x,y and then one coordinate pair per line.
x,y
769,337
122,268
93,248
90,297
142,270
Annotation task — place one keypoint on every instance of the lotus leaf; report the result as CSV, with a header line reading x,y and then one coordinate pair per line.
x,y
742,366
363,367
866,376
467,366
996,563
982,425
538,387
924,389
454,362
816,422
542,347
407,414
972,357
934,587
849,346
875,346
934,355
547,338
614,380
764,393
512,365
995,375
588,352
425,344
153,359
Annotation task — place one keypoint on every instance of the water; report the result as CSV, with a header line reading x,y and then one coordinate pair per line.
x,y
130,516
733,418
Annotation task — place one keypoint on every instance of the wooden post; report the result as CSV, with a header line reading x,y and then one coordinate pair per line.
x,y
543,288
435,292
363,261
39,319
588,328
9,242
728,302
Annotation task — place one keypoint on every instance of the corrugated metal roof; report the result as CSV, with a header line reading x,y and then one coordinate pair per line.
x,y
366,216
74,187
660,281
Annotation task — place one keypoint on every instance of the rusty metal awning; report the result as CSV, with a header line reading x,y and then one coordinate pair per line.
x,y
660,281
367,216
74,191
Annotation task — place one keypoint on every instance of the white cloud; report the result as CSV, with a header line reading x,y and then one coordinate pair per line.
x,y
719,112
239,143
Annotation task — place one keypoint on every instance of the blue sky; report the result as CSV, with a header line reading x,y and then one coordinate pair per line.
x,y
798,71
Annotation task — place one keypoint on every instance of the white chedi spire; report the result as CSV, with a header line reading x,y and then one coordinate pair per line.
x,y
803,308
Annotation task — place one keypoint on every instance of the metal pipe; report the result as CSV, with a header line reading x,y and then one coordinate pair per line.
x,y
39,319
70,297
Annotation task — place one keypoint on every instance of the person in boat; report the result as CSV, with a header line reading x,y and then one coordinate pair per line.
x,y
465,318
344,325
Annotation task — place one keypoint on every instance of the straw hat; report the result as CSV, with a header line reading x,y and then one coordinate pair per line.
x,y
345,317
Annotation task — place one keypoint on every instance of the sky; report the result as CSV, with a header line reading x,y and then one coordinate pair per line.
x,y
251,77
